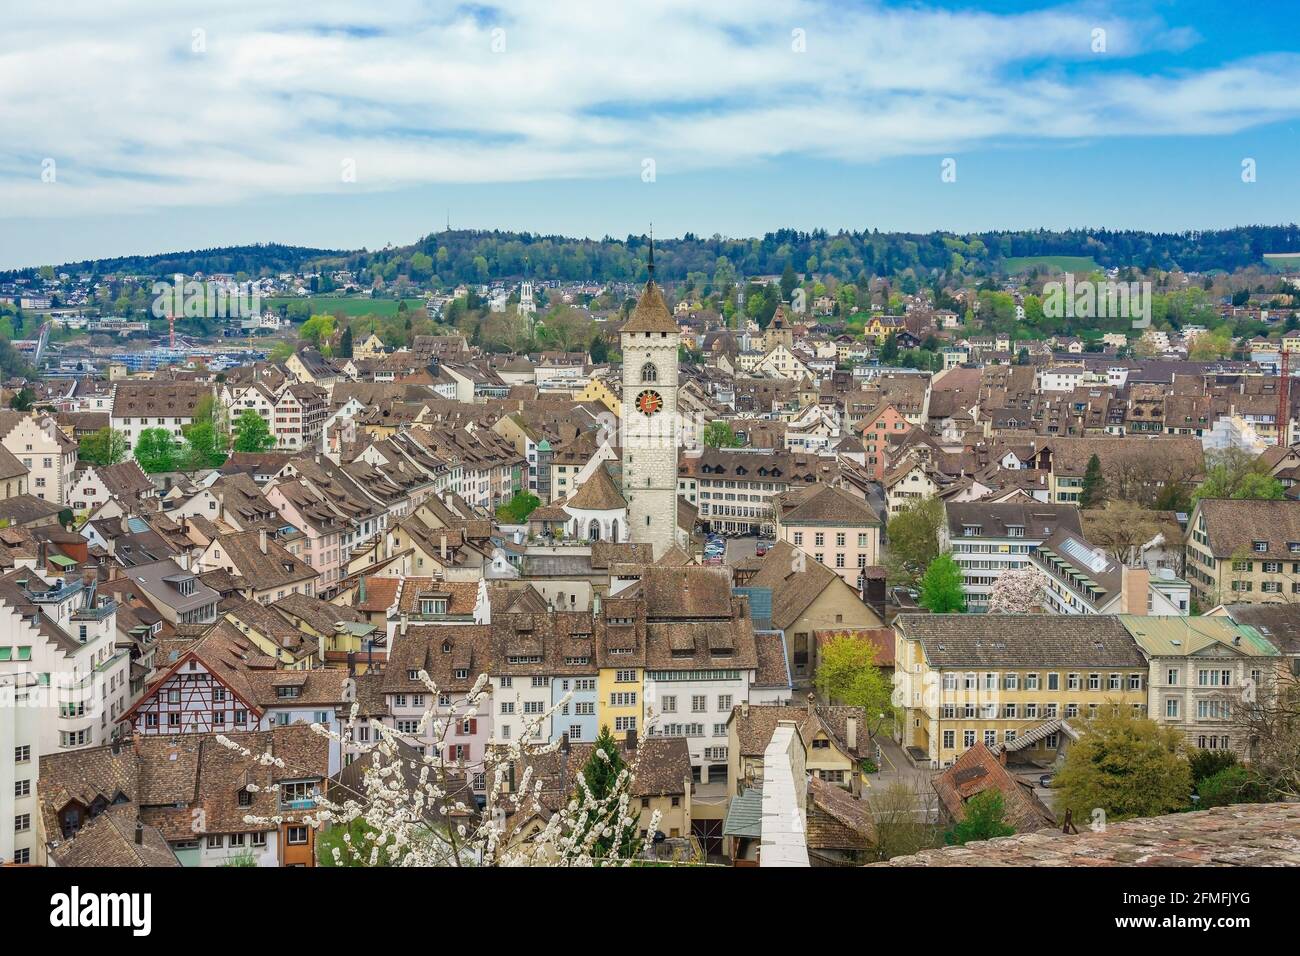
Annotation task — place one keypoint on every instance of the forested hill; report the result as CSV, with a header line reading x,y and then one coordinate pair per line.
x,y
262,259
480,256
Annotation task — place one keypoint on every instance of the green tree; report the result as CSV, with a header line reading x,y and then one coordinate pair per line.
x,y
889,350
1233,784
345,343
983,820
355,843
1093,494
318,331
1236,473
941,589
156,450
847,674
279,352
518,508
252,434
913,536
201,449
601,773
23,400
107,446
1126,766
719,434
599,350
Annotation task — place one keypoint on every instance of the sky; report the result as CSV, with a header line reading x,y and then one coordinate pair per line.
x,y
146,127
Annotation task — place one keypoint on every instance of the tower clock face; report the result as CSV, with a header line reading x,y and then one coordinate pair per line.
x,y
649,402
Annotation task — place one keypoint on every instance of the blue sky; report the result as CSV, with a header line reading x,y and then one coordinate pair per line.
x,y
350,126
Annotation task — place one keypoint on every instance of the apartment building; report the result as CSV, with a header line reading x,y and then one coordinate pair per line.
x,y
996,678
1244,552
988,539
838,529
1199,669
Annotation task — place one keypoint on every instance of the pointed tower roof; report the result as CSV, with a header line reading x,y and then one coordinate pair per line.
x,y
651,312
597,493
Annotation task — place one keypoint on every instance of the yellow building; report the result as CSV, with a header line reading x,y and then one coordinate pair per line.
x,y
995,678
598,390
619,701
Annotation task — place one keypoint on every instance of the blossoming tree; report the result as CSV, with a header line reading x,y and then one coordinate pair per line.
x,y
414,808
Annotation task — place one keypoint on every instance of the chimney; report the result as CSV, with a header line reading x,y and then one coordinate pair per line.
x,y
261,540
1134,584
631,741
139,833
812,701
404,623
443,546
361,589
564,744
744,708
851,733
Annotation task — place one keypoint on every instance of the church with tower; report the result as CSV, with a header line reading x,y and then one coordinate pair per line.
x,y
650,341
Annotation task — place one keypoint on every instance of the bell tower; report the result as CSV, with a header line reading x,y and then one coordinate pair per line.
x,y
650,339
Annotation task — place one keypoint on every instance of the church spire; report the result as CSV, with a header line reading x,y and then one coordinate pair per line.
x,y
651,266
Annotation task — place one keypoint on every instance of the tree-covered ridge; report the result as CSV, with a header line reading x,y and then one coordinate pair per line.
x,y
257,260
451,257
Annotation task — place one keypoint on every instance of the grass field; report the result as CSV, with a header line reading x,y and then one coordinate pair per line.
x,y
1283,261
1020,264
328,305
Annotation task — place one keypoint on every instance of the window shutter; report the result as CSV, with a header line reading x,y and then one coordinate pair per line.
x,y
451,754
473,726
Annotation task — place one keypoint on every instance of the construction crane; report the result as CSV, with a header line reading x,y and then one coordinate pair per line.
x,y
1284,400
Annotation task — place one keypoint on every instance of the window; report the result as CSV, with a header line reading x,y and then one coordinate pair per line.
x,y
297,836
216,841
624,724
1094,682
22,788
698,704
22,754
968,738
1011,682
257,839
669,704
949,739
22,822
724,703
1171,707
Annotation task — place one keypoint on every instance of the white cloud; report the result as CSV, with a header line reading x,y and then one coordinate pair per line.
x,y
284,94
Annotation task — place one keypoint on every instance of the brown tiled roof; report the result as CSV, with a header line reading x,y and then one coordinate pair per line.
x,y
1021,640
275,567
827,505
795,584
651,313
108,841
1234,526
1279,623
461,596
685,593
381,593
157,399
598,493
754,730
836,820
772,670
320,616
1260,834
441,650
978,770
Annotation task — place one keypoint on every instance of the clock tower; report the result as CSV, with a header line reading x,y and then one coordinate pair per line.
x,y
649,421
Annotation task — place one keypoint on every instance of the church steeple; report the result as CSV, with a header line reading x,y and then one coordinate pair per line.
x,y
650,267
